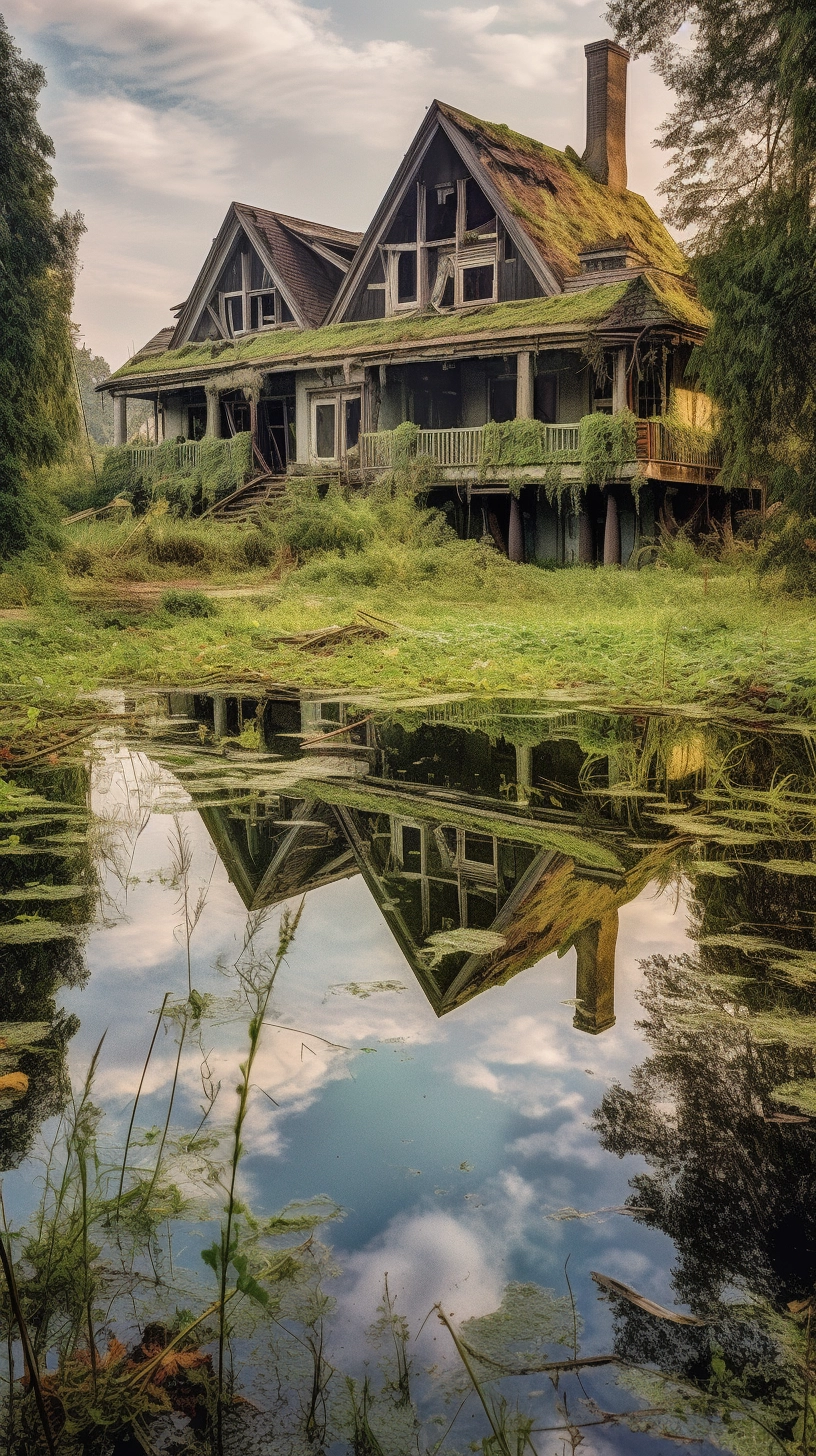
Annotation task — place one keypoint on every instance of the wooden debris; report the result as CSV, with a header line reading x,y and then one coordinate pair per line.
x,y
622,1291
364,628
346,728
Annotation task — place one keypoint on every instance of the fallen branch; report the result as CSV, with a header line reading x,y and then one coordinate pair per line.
x,y
622,1291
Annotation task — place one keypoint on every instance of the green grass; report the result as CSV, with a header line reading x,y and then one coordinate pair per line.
x,y
467,621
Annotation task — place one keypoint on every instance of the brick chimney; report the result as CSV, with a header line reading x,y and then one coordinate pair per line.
x,y
605,155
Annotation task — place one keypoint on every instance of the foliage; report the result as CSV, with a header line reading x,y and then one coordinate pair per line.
x,y
97,409
787,552
38,411
743,138
607,443
188,604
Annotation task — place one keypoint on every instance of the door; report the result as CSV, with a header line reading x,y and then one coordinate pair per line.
x,y
335,425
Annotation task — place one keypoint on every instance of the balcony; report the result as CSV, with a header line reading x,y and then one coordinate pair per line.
x,y
661,453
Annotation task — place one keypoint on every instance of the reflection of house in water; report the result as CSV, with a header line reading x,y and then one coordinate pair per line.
x,y
449,827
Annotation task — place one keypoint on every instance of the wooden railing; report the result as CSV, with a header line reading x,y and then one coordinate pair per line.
x,y
658,441
455,447
186,455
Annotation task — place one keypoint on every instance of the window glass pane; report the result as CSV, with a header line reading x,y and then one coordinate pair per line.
x,y
478,848
406,277
352,423
324,431
286,312
267,310
411,849
477,283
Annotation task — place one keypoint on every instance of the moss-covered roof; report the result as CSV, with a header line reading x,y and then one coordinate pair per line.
x,y
649,299
559,204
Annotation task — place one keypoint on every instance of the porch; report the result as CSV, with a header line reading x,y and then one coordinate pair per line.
x,y
661,453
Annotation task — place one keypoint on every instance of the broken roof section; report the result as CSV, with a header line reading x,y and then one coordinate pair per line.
x,y
558,203
650,299
264,269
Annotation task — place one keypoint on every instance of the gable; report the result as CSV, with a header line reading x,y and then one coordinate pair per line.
x,y
264,271
490,216
243,297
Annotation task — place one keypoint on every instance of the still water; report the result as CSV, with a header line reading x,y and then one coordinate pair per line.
x,y
540,1054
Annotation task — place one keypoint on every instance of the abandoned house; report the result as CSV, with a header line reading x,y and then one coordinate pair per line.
x,y
500,280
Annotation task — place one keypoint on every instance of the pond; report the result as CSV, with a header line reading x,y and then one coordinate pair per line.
x,y
421,1079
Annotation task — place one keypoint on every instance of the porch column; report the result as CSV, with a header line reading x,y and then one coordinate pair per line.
x,y
524,774
595,975
619,380
612,540
219,715
515,534
120,419
586,555
213,412
524,386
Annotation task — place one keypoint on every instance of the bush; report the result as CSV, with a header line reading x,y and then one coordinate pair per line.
x,y
788,551
187,604
309,525
79,560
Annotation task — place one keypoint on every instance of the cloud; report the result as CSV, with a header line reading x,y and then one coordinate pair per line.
x,y
172,152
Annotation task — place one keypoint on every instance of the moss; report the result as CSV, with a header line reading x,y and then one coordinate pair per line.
x,y
560,204
590,306
607,443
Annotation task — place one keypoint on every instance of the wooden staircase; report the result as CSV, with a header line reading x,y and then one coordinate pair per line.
x,y
256,495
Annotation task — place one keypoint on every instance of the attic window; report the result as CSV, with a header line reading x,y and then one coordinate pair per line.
x,y
478,283
263,311
406,277
509,249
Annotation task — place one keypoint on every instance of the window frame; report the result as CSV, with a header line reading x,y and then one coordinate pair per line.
x,y
338,398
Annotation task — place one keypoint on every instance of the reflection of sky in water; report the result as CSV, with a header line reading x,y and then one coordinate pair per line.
x,y
504,1085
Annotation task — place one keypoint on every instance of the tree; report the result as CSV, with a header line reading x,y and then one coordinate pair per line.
x,y
743,141
91,369
38,408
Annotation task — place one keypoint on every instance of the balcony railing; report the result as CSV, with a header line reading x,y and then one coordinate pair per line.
x,y
675,448
185,456
459,447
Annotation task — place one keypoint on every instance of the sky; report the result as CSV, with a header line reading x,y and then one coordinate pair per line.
x,y
164,111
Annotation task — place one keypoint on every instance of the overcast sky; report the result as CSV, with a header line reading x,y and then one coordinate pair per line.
x,y
163,111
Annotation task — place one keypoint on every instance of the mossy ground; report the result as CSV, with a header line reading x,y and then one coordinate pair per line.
x,y
467,621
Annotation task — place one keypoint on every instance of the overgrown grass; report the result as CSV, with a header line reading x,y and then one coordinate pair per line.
x,y
685,629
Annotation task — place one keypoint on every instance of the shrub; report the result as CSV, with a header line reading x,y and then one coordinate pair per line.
x,y
79,560
308,524
788,551
187,604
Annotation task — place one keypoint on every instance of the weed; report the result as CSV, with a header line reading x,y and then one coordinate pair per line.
x,y
187,604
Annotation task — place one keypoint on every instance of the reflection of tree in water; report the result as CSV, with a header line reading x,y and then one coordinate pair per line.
x,y
732,1190
34,1033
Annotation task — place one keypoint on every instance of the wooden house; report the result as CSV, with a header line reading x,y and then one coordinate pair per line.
x,y
500,280
477,868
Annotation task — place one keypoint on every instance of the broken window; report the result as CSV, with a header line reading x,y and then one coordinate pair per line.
x,y
442,285
406,277
478,283
440,211
509,249
480,216
234,311
404,227
353,412
263,310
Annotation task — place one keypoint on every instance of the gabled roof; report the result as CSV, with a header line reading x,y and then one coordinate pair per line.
x,y
547,201
306,261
